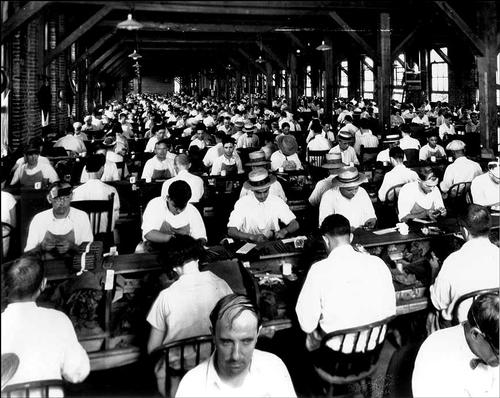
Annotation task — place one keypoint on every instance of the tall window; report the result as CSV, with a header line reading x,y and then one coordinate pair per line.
x,y
177,85
398,72
439,76
368,78
322,83
283,83
308,85
344,79
498,80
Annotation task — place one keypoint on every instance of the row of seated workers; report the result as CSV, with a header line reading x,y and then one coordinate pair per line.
x,y
253,178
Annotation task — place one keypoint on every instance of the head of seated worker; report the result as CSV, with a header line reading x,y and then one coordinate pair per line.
x,y
457,148
161,150
259,181
59,196
228,144
348,181
336,231
95,166
159,132
482,328
432,139
179,251
494,171
475,222
396,154
179,193
427,179
31,155
23,279
345,139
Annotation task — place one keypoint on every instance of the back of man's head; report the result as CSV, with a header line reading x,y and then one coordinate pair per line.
x,y
483,314
476,219
335,225
95,162
396,153
182,161
230,307
22,278
180,193
179,250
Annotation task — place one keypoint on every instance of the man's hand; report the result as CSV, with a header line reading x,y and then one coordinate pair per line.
x,y
258,238
281,233
63,246
48,244
370,224
433,214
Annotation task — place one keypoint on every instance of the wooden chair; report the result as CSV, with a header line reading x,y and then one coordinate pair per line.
x,y
355,359
96,209
316,158
39,388
469,297
367,156
391,197
6,233
459,195
185,362
411,157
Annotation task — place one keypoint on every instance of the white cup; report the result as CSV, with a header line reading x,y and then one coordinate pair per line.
x,y
433,159
403,228
38,185
281,169
223,173
287,269
148,180
450,159
132,180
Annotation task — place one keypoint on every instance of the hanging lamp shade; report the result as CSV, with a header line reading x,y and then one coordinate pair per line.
x,y
135,55
260,60
323,47
129,24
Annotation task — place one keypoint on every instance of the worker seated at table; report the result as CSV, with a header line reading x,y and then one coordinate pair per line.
x,y
346,140
257,160
182,164
159,134
432,150
400,174
62,229
44,339
182,310
32,171
346,197
462,169
110,172
215,151
473,267
333,163
257,217
71,144
236,368
248,139
286,158
345,290
36,142
172,215
422,198
159,167
229,163
485,188
461,361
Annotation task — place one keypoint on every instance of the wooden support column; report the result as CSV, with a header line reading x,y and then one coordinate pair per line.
x,y
269,84
329,77
486,65
238,84
354,75
384,72
293,81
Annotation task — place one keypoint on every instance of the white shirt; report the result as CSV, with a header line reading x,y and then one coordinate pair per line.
x,y
8,203
347,289
98,190
278,159
319,143
212,154
348,156
46,169
484,190
474,266
76,221
254,217
275,189
194,182
197,142
426,152
424,120
244,141
71,143
267,377
150,146
157,213
156,164
444,129
367,139
357,210
45,342
411,194
20,161
234,160
400,174
442,368
408,142
461,170
110,173
321,187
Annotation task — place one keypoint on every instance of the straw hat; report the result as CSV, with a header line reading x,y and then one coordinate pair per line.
x,y
239,123
333,161
249,127
257,158
345,136
348,178
259,179
287,144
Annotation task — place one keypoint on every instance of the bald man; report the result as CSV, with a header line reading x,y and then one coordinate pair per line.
x,y
182,164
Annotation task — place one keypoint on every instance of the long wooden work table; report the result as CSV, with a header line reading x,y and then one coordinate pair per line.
x,y
258,272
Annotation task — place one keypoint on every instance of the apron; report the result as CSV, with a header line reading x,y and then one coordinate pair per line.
x,y
231,169
417,209
160,174
289,164
30,180
50,237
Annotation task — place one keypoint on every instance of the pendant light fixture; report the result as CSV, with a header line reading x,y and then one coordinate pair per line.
x,y
130,24
135,55
323,47
260,60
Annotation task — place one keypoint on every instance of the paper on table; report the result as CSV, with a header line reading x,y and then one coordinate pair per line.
x,y
245,248
385,231
420,220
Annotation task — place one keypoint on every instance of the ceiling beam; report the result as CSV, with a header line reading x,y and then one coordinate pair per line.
x,y
117,64
28,11
442,55
295,40
77,33
110,61
104,56
167,41
92,49
469,34
273,55
407,40
251,60
357,38
401,62
187,49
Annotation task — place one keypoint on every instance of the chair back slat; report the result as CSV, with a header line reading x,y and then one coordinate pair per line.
x,y
472,295
41,388
391,197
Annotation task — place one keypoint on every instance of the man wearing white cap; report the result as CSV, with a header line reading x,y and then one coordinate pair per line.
x,y
256,218
345,149
333,163
71,143
462,169
87,124
485,188
248,139
77,126
347,198
258,160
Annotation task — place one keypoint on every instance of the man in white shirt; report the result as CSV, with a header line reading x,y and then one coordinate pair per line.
x,y
32,170
485,188
400,174
236,368
473,267
446,128
345,290
344,147
182,310
286,157
461,361
333,163
71,143
364,137
348,127
347,198
173,215
248,139
431,149
159,167
256,218
44,339
182,164
421,118
159,134
407,141
257,160
215,151
462,169
229,163
318,142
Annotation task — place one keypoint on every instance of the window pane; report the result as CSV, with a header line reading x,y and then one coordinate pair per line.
x,y
343,92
